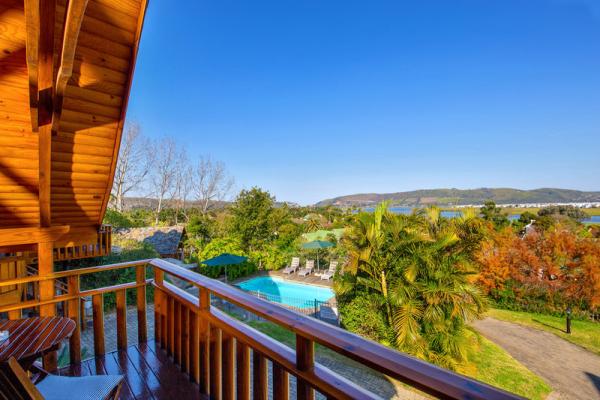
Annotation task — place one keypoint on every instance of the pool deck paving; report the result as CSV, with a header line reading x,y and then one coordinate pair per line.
x,y
312,279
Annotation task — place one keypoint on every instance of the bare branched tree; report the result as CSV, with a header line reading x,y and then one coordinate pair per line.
x,y
164,170
183,184
133,165
212,182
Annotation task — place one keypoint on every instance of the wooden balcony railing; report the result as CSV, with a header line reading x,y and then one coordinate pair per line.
x,y
219,352
102,247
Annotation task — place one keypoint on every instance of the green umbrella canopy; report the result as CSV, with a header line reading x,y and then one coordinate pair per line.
x,y
224,259
317,244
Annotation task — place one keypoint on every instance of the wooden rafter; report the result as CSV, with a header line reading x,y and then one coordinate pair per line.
x,y
73,20
47,16
32,21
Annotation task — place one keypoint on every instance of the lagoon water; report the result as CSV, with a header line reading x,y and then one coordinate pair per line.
x,y
408,210
594,219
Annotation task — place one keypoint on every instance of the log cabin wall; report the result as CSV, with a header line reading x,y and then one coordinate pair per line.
x,y
66,68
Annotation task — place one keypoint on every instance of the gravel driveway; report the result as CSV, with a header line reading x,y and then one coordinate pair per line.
x,y
573,372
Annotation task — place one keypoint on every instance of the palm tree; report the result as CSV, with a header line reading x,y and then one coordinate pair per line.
x,y
367,264
419,267
313,224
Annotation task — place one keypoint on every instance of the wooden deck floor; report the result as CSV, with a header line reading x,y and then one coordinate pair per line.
x,y
149,373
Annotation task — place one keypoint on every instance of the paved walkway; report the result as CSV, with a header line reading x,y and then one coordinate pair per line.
x,y
574,373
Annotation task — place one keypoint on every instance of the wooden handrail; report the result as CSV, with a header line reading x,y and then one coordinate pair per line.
x,y
74,272
199,338
412,371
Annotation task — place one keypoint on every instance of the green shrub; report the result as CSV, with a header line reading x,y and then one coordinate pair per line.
x,y
363,315
132,252
117,219
233,271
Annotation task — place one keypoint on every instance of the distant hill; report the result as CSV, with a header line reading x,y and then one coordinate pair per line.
x,y
446,197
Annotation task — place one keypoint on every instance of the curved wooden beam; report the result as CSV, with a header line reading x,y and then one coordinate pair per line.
x,y
32,22
72,26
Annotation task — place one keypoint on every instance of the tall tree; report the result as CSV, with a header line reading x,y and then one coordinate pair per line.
x,y
164,170
493,214
252,220
211,183
133,165
415,269
183,184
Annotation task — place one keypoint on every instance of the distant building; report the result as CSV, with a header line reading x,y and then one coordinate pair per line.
x,y
167,241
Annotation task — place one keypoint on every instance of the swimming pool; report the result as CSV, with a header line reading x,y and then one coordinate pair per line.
x,y
288,293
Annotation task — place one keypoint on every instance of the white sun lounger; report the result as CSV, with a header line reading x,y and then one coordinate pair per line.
x,y
330,272
310,265
293,266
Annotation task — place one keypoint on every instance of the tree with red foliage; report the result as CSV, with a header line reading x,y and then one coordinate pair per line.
x,y
556,267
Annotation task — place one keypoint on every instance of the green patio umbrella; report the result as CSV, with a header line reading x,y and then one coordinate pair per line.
x,y
317,245
223,260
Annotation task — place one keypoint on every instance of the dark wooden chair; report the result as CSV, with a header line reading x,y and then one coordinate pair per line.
x,y
16,384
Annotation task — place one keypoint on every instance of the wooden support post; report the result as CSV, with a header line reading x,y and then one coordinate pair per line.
x,y
305,361
194,348
171,325
141,305
243,371
215,363
14,314
159,311
260,385
185,339
121,296
177,333
204,340
228,351
73,312
46,288
158,334
98,311
82,325
281,383
164,321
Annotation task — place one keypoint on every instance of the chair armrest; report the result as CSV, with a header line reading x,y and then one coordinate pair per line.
x,y
37,372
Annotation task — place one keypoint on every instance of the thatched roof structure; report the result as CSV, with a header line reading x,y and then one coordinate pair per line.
x,y
165,240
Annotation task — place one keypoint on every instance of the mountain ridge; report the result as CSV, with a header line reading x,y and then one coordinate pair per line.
x,y
449,197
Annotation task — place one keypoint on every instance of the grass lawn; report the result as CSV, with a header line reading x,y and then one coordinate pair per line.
x,y
583,333
489,363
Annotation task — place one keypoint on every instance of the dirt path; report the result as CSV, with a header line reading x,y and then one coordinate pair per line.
x,y
574,373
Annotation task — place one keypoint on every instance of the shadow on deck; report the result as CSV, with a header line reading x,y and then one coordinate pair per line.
x,y
149,373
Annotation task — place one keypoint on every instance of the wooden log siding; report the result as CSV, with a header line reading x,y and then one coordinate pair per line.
x,y
219,352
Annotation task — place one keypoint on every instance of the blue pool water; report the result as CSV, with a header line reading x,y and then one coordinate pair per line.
x,y
289,293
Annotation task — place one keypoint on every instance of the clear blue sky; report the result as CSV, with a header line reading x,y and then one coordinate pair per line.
x,y
315,99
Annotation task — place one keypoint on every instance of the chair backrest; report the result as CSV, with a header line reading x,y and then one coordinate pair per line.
x,y
295,261
15,384
333,266
310,264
